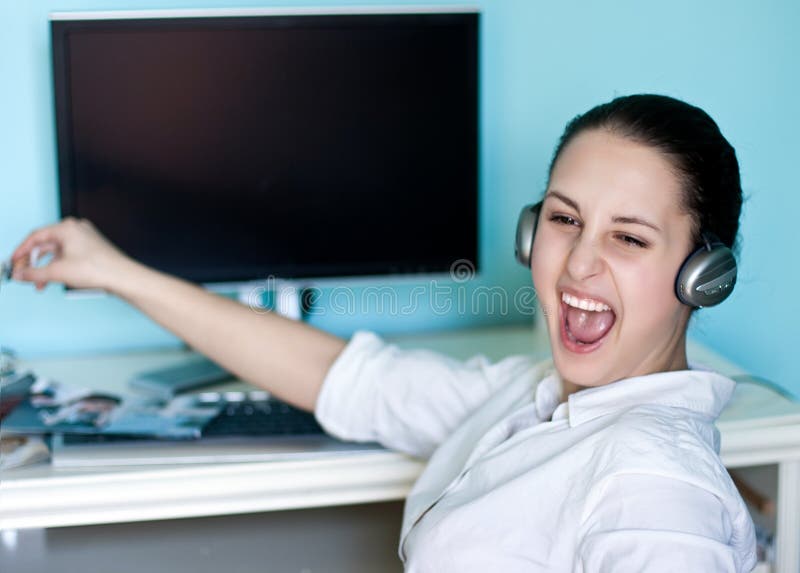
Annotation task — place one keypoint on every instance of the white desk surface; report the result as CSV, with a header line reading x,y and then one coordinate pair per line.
x,y
759,427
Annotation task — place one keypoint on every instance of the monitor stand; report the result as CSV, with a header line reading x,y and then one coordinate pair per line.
x,y
287,298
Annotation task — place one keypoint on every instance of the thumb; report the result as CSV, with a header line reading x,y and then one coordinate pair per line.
x,y
39,276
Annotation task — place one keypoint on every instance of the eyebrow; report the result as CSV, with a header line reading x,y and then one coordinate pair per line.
x,y
564,199
635,221
616,219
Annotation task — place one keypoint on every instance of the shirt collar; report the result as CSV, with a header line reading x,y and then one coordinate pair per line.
x,y
548,396
703,391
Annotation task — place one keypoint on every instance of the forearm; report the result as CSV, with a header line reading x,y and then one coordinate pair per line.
x,y
288,358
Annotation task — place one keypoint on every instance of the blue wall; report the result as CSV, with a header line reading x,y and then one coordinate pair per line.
x,y
542,64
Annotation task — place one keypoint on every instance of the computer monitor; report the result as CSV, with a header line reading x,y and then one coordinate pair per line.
x,y
227,147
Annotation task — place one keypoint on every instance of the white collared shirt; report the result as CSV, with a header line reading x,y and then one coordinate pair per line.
x,y
624,477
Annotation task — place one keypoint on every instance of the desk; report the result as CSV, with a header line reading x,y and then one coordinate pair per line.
x,y
759,427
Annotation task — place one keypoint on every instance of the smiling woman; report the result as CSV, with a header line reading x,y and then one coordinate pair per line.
x,y
584,251
634,185
604,458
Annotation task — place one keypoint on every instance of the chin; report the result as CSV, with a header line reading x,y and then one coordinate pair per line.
x,y
581,372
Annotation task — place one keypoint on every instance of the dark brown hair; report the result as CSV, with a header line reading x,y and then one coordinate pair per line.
x,y
691,140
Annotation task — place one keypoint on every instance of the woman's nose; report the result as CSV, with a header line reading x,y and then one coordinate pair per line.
x,y
584,259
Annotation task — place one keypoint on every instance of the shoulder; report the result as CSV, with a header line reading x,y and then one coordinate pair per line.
x,y
647,522
668,456
663,440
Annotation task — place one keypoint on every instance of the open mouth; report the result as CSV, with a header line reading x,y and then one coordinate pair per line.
x,y
585,322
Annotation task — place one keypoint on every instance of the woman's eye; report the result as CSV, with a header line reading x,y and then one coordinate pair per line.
x,y
633,241
563,219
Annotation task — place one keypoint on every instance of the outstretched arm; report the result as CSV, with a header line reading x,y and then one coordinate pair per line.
x,y
288,358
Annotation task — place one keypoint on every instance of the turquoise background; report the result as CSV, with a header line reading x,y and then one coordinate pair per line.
x,y
542,63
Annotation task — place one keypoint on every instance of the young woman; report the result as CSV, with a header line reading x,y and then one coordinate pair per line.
x,y
604,458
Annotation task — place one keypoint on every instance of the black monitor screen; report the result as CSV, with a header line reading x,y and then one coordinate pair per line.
x,y
234,148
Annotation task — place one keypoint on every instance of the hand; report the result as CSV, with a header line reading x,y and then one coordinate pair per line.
x,y
82,257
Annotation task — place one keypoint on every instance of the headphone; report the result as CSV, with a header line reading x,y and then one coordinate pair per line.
x,y
705,278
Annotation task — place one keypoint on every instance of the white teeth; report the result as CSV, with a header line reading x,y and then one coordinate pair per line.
x,y
584,303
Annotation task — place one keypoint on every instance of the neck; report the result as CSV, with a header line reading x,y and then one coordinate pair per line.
x,y
677,361
568,388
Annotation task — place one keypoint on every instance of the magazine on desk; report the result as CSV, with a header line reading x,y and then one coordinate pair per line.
x,y
91,430
45,407
17,450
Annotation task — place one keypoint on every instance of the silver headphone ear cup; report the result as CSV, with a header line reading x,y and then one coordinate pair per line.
x,y
526,231
707,276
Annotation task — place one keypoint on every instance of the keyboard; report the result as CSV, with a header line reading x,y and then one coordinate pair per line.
x,y
242,414
255,414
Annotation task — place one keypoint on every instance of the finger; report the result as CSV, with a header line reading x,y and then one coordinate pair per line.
x,y
33,275
41,285
45,235
38,255
40,251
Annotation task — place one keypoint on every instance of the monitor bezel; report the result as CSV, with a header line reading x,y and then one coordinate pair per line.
x,y
63,22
